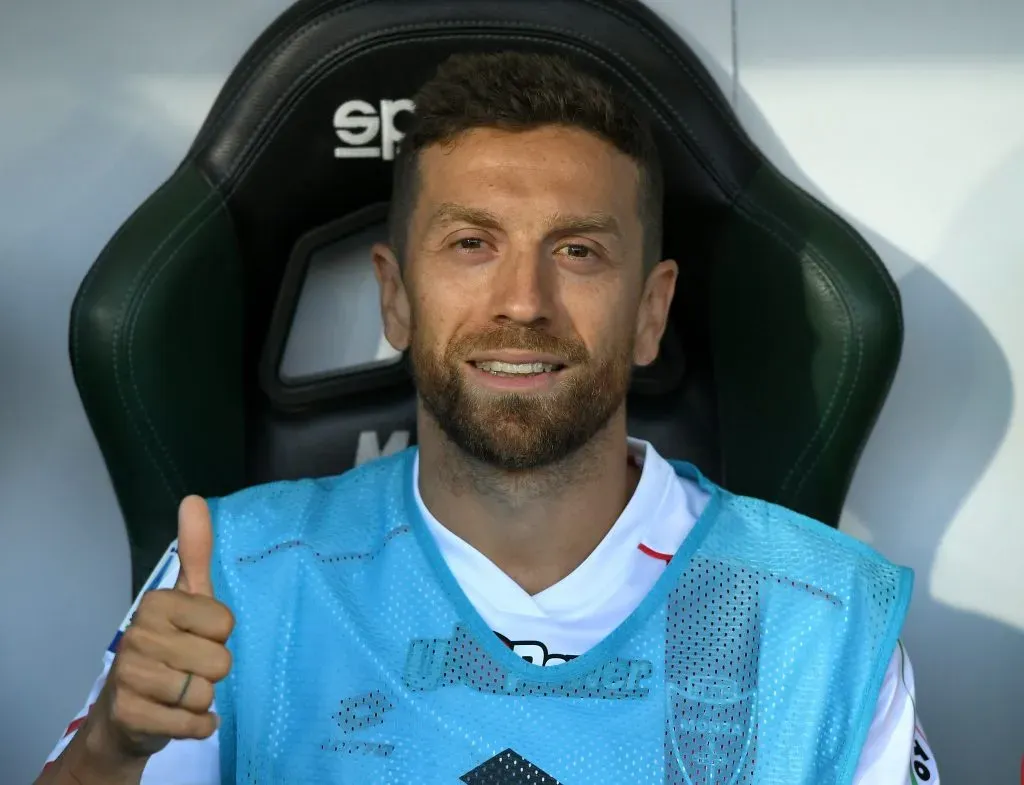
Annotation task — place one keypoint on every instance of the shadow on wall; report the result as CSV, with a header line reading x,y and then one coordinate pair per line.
x,y
944,420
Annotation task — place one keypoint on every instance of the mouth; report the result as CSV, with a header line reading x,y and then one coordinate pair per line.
x,y
521,373
516,369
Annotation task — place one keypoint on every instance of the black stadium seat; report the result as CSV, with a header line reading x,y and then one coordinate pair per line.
x,y
786,329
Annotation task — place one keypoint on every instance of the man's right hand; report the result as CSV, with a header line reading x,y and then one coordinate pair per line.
x,y
160,685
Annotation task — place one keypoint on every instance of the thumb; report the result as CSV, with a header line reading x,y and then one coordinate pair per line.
x,y
195,546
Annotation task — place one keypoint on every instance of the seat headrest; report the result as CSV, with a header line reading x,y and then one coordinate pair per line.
x,y
317,106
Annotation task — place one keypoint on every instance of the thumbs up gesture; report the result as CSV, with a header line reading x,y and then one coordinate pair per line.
x,y
160,686
195,547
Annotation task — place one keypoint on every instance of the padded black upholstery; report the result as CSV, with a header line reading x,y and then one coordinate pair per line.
x,y
786,329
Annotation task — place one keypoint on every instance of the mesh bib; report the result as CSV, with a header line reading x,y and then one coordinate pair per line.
x,y
756,659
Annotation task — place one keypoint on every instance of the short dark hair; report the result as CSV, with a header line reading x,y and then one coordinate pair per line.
x,y
519,91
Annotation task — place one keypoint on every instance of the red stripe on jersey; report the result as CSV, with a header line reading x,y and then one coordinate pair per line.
x,y
76,724
665,557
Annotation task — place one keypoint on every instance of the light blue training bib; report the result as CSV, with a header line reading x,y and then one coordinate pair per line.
x,y
756,659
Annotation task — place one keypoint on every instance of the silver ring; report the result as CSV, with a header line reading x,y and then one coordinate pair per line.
x,y
184,689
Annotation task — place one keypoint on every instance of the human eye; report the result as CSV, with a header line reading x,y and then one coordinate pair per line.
x,y
577,251
468,244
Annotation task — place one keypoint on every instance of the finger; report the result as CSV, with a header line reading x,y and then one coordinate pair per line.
x,y
180,651
195,546
164,610
138,715
204,617
164,685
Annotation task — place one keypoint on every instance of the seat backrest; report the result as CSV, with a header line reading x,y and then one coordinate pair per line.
x,y
785,332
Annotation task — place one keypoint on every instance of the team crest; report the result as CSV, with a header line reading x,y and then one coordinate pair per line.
x,y
711,730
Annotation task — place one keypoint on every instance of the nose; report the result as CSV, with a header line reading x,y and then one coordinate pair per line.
x,y
524,288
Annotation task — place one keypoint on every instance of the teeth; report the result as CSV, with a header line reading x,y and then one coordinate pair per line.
x,y
494,366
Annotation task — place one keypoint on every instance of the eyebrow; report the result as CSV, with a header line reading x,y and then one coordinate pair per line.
x,y
560,223
449,212
600,223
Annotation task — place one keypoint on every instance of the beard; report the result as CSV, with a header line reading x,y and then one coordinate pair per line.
x,y
519,431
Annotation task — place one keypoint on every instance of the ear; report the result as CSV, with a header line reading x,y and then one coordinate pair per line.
x,y
652,315
394,299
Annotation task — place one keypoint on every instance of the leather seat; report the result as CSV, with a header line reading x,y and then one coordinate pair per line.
x,y
786,328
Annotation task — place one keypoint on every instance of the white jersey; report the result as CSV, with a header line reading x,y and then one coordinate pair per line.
x,y
572,616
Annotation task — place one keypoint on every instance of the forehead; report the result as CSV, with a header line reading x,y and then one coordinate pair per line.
x,y
547,170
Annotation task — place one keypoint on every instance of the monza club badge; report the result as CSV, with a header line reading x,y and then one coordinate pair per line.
x,y
710,730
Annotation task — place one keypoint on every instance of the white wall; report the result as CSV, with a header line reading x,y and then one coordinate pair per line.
x,y
907,117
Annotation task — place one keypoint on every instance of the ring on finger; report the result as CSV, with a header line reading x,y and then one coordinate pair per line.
x,y
184,689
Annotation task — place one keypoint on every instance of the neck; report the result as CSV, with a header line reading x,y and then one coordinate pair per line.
x,y
537,526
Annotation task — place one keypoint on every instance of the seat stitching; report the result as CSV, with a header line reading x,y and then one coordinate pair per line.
x,y
833,283
256,59
125,315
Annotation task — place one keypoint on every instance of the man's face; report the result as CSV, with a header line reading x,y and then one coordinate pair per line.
x,y
521,297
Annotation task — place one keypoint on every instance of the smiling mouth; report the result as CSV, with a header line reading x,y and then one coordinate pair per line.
x,y
498,368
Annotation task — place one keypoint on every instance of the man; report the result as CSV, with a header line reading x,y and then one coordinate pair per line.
x,y
394,624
